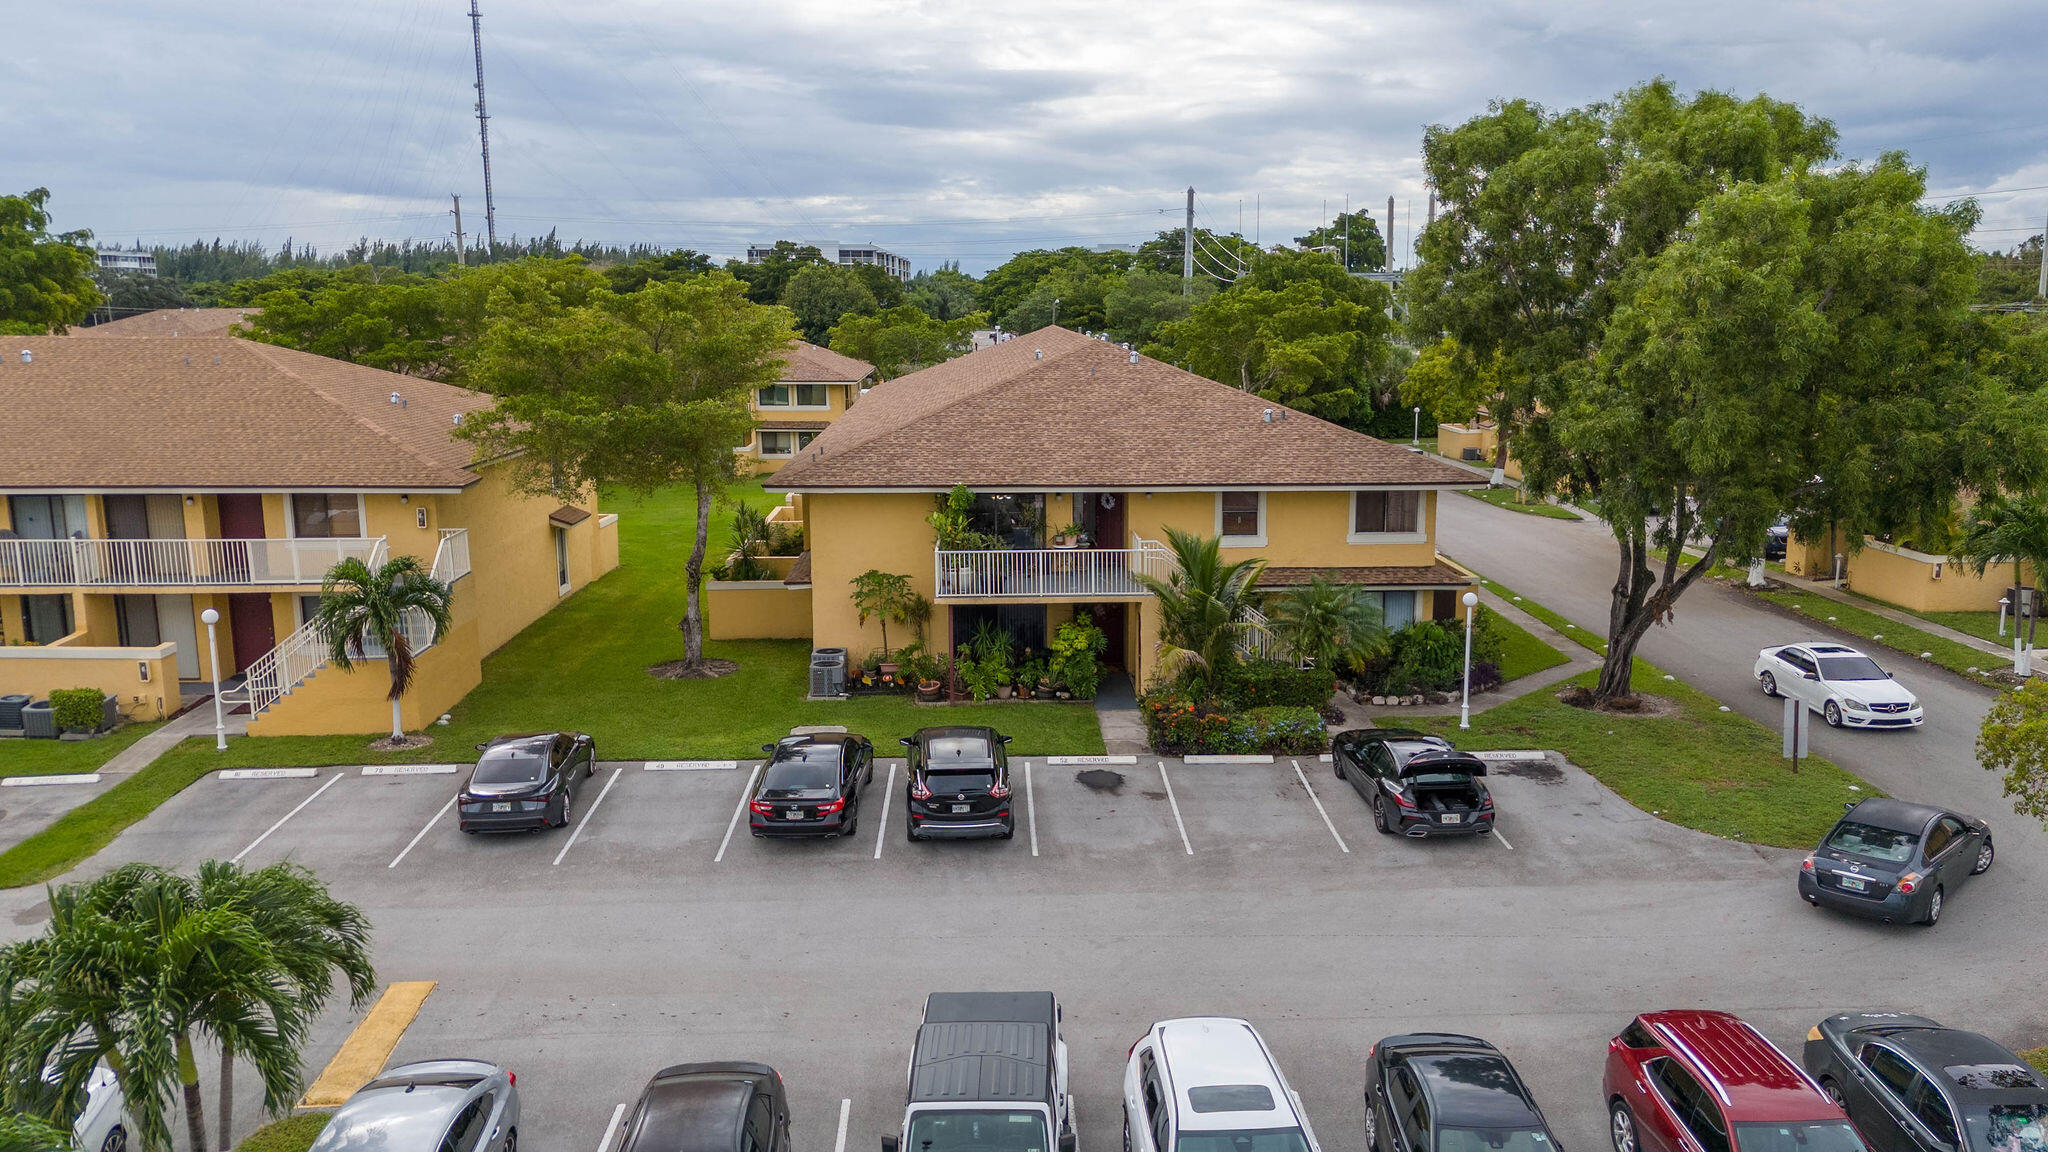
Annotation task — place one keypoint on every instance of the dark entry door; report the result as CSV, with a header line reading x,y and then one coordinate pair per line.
x,y
1110,618
249,618
1109,519
241,518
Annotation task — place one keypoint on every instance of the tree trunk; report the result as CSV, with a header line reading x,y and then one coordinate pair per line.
x,y
1640,599
397,727
1500,458
195,1103
693,575
227,1094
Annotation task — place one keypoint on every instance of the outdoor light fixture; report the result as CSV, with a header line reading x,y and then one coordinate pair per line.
x,y
220,724
1471,602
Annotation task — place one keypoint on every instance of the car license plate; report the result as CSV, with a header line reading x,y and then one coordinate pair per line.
x,y
1853,883
963,807
505,807
1451,818
793,814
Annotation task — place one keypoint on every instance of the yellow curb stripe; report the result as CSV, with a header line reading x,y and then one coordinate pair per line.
x,y
367,1048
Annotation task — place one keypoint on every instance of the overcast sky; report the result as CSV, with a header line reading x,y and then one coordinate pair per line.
x,y
964,130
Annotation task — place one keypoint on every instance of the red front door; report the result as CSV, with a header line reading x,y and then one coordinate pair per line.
x,y
250,620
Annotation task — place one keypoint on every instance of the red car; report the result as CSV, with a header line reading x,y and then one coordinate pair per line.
x,y
1707,1082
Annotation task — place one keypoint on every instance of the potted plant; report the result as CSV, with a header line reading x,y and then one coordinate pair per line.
x,y
1067,536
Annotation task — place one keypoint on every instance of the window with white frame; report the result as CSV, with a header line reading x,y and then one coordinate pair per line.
x,y
785,443
1384,514
1241,519
811,396
326,514
793,396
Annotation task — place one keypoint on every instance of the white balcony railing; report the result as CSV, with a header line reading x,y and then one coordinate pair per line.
x,y
1048,572
182,563
451,560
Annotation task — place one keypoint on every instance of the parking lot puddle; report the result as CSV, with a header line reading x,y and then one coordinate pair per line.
x,y
1102,780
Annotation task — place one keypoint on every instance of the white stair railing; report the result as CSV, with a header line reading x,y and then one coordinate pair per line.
x,y
1258,641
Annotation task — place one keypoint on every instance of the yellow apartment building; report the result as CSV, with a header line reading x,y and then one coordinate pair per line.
x,y
146,479
818,385
1057,430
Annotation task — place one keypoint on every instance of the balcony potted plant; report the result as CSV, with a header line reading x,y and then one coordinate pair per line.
x,y
1067,536
954,530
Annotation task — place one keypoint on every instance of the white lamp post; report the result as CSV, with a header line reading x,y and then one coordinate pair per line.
x,y
2004,602
220,724
1415,437
1471,602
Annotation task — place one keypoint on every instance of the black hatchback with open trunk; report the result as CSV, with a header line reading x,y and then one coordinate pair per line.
x,y
1417,784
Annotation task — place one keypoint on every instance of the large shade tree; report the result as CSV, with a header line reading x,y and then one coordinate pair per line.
x,y
45,278
905,338
1698,313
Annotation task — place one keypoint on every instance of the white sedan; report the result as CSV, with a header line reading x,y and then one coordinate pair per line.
x,y
1846,687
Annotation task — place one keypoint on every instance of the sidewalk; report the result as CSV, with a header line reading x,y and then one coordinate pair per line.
x,y
29,810
1116,710
1901,616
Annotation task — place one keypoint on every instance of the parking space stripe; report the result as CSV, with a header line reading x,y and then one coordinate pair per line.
x,y
588,813
1503,840
845,1111
737,812
1318,802
1030,808
331,782
429,826
611,1129
1178,822
888,790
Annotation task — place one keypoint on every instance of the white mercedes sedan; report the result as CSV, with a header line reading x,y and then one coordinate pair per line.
x,y
1846,687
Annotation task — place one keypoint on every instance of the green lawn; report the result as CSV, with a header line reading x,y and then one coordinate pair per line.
x,y
291,1134
1982,625
1718,772
2038,1057
60,757
89,827
1585,639
1521,652
1957,658
1513,500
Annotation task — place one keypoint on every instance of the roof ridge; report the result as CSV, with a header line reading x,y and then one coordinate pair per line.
x,y
361,421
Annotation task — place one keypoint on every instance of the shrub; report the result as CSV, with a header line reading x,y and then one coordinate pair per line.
x,y
1285,729
1428,657
1076,658
78,709
1259,683
292,1134
1178,723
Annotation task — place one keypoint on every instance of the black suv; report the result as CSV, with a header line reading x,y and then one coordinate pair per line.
x,y
959,784
811,786
1417,784
1441,1092
1911,1085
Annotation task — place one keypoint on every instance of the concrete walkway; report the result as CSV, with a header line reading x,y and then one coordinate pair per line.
x,y
1116,710
2001,654
142,753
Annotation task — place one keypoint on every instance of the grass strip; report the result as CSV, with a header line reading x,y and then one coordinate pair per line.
x,y
2038,1057
62,757
1713,771
1981,624
1521,652
1512,500
1577,634
291,1134
1902,638
89,827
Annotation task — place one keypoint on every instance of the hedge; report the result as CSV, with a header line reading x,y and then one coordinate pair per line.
x,y
291,1134
78,709
1178,725
1260,683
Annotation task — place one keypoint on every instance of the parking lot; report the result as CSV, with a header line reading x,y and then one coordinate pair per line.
x,y
655,930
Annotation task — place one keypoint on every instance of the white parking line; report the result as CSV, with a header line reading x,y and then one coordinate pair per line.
x,y
1030,808
587,814
611,1129
331,782
1318,802
745,794
845,1110
435,819
1176,809
1503,840
888,789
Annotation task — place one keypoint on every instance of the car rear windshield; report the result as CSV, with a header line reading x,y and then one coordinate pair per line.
x,y
1493,1140
799,776
952,1130
1887,844
511,767
960,780
1243,1140
2008,1128
958,750
1798,1136
1850,668
428,1080
1231,1098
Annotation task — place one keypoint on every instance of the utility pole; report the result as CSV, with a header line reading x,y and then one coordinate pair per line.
x,y
1347,232
460,260
1390,234
1187,248
2041,289
483,127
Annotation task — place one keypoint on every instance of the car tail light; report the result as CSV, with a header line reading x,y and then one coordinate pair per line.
x,y
1909,882
1403,800
511,1078
1806,865
829,808
761,808
999,789
919,791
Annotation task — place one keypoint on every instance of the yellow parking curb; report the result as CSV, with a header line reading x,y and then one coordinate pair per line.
x,y
363,1054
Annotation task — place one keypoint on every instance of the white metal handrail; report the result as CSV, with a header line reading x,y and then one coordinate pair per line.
x,y
185,563
451,559
1044,572
1258,641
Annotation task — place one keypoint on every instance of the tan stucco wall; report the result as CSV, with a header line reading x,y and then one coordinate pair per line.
x,y
850,534
334,702
1303,529
512,551
1910,582
36,671
838,397
756,610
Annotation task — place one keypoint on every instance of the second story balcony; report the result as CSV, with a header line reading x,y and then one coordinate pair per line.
x,y
1049,573
265,563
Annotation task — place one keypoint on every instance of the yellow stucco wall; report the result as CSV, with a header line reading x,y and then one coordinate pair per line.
x,y
838,397
1909,581
512,551
852,533
756,610
1302,529
334,702
37,670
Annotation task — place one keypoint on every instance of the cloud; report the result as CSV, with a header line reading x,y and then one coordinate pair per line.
x,y
942,130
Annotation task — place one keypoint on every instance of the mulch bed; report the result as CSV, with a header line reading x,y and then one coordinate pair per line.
x,y
1642,706
692,669
403,743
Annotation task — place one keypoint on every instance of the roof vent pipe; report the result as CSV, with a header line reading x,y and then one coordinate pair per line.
x,y
27,357
394,397
1037,354
1134,357
1268,416
458,419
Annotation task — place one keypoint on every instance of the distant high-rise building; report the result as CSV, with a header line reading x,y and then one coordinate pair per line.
x,y
848,255
127,260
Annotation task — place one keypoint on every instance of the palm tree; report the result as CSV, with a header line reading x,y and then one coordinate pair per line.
x,y
1323,622
1203,606
19,1133
313,938
2001,528
360,608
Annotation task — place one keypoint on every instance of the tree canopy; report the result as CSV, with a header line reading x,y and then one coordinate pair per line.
x,y
905,338
820,295
1355,232
45,279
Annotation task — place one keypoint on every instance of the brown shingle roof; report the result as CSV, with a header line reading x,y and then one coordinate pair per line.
x,y
220,412
810,364
172,321
1084,416
568,516
1392,576
795,425
799,572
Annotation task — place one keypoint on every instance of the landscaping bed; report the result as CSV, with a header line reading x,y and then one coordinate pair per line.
x,y
1255,706
291,1134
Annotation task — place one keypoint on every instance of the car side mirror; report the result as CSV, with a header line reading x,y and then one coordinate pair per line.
x,y
767,747
481,747
1002,739
1849,807
1811,675
1068,1142
888,1144
905,741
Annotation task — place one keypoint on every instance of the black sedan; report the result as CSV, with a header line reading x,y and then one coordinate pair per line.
x,y
521,783
1894,861
811,786
1441,1092
959,784
722,1107
1911,1085
1417,784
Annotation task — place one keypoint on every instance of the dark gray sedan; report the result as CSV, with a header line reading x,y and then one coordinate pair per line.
x,y
522,783
1893,861
1911,1085
720,1107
